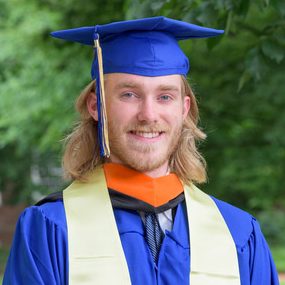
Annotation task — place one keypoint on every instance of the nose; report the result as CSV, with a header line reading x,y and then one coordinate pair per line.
x,y
147,111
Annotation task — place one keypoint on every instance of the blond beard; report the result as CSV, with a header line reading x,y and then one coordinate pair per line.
x,y
134,154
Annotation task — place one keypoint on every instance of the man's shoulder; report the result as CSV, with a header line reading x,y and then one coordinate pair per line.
x,y
53,197
49,210
239,222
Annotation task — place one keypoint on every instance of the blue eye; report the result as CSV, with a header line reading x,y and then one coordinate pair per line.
x,y
164,98
128,95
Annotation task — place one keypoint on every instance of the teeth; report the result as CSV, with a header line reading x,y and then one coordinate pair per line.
x,y
147,135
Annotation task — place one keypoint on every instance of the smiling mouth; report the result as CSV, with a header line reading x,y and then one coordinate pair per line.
x,y
147,135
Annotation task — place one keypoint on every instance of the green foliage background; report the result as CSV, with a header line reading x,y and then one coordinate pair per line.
x,y
238,79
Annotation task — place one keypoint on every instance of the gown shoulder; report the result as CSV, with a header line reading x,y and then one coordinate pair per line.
x,y
255,260
239,222
41,240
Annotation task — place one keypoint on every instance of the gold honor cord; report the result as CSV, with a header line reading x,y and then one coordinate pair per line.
x,y
104,121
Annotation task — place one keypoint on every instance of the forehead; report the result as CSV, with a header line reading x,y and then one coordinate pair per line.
x,y
124,80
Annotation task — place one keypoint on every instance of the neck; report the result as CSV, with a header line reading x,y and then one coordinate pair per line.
x,y
158,172
154,173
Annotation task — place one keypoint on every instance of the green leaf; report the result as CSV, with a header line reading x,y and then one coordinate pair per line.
x,y
212,42
244,7
244,79
273,50
266,2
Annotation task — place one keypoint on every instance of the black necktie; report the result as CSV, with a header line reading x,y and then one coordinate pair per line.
x,y
154,234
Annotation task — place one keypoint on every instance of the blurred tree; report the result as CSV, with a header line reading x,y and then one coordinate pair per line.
x,y
237,78
38,84
239,81
261,23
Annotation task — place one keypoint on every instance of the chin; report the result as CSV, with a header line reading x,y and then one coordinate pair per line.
x,y
146,162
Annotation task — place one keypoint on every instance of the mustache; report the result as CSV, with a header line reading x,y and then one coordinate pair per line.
x,y
148,128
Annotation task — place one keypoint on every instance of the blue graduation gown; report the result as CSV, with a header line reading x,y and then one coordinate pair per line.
x,y
39,254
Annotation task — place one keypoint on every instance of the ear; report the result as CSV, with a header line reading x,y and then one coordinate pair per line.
x,y
186,106
92,105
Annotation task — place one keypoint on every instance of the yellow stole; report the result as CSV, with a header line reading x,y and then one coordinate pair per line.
x,y
95,252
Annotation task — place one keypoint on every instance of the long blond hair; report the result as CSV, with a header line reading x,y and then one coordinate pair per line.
x,y
82,155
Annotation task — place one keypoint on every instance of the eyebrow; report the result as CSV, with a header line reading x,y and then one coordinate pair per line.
x,y
168,88
127,84
162,87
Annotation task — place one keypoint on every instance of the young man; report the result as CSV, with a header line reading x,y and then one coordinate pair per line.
x,y
132,214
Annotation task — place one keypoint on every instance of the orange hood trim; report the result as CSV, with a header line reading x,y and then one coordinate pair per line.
x,y
154,191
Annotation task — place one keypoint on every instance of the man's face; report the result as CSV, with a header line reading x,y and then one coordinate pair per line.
x,y
145,117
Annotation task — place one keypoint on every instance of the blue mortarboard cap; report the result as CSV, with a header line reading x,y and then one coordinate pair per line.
x,y
147,47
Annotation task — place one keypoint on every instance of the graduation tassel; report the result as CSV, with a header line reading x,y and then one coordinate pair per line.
x,y
101,106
